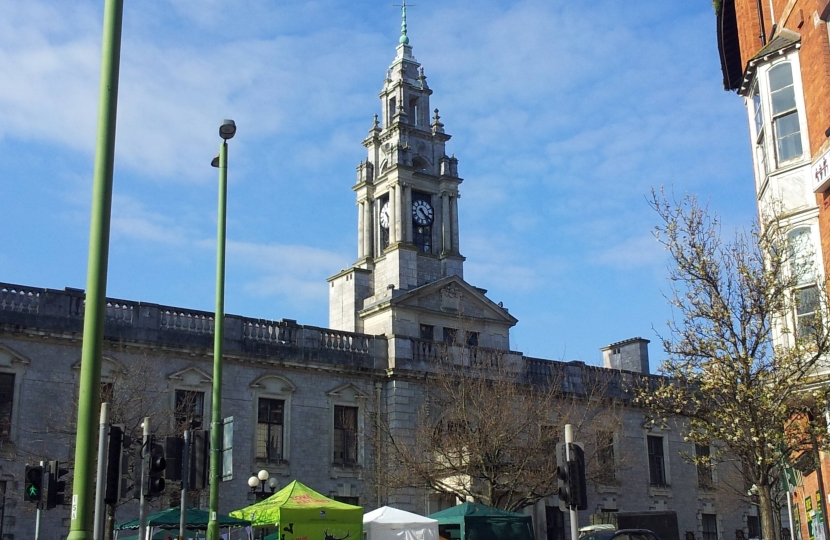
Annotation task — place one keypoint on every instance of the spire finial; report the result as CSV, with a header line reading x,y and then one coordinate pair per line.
x,y
404,38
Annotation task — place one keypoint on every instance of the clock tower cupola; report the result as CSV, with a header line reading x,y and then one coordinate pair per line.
x,y
407,199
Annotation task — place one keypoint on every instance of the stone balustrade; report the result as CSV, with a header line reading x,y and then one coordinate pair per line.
x,y
19,299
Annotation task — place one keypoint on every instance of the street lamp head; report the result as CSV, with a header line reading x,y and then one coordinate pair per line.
x,y
215,161
263,475
253,482
227,130
272,483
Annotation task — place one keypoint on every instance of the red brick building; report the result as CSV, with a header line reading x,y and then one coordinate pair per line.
x,y
776,55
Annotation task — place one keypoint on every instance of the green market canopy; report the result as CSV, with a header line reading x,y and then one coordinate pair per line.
x,y
303,514
471,521
195,520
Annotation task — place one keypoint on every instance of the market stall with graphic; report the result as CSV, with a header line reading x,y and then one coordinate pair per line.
x,y
300,513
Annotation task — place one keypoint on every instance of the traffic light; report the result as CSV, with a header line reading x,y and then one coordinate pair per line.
x,y
115,448
56,488
173,450
155,478
198,464
34,483
562,475
576,478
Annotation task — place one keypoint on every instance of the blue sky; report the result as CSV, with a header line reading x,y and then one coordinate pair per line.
x,y
563,115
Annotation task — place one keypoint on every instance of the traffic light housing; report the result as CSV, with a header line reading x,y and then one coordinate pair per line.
x,y
576,478
198,459
157,464
55,488
562,476
115,449
34,483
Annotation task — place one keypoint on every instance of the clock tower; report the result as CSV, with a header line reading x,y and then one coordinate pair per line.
x,y
407,200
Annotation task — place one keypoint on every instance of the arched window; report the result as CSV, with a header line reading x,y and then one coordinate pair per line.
x,y
784,113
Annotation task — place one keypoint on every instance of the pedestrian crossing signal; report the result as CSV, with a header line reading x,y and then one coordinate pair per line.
x,y
34,483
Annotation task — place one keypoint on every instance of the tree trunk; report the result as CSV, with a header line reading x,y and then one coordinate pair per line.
x,y
767,517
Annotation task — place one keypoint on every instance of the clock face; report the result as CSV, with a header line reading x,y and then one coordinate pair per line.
x,y
422,212
384,215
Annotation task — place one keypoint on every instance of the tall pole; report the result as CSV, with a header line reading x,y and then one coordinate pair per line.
x,y
574,515
142,500
96,284
218,334
185,480
40,504
103,432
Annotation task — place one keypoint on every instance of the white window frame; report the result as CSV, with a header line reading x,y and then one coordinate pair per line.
x,y
765,139
348,395
272,387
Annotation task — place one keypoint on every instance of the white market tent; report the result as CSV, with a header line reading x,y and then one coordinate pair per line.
x,y
387,523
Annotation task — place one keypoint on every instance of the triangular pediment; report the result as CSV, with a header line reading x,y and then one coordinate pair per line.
x,y
9,357
454,296
190,377
348,392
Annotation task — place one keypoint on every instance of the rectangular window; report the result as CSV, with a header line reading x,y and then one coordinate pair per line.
x,y
760,142
753,526
190,409
427,332
449,336
472,339
710,526
704,467
656,463
784,114
6,398
345,436
806,309
606,464
269,431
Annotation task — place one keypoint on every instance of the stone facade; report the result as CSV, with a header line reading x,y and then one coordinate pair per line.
x,y
313,371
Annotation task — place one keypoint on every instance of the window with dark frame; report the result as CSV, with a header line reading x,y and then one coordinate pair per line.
x,y
427,332
656,461
449,336
270,422
606,463
472,339
710,526
345,436
753,526
190,409
705,478
6,400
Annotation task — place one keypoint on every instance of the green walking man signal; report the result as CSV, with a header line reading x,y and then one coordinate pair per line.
x,y
34,483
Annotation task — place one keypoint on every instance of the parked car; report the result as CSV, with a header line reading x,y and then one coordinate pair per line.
x,y
603,533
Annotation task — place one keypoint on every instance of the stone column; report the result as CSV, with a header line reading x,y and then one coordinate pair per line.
x,y
367,228
406,213
454,226
376,230
446,236
361,248
393,214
